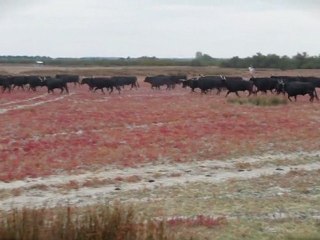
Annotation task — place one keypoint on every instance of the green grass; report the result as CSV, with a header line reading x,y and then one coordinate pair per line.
x,y
259,101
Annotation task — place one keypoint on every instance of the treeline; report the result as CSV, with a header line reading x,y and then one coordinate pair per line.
x,y
300,60
95,61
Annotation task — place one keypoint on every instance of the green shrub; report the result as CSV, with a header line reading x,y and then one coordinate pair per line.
x,y
259,100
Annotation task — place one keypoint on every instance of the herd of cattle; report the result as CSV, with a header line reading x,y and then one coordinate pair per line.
x,y
292,86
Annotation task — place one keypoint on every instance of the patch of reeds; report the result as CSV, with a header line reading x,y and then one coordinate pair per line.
x,y
259,100
95,223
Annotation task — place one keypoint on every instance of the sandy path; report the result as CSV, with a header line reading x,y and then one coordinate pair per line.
x,y
24,100
24,106
32,192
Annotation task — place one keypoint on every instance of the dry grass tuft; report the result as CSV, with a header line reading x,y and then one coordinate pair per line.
x,y
260,101
95,223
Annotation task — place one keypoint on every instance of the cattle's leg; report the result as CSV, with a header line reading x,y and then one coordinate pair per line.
x,y
236,92
295,98
311,97
227,93
66,88
249,93
118,88
289,98
316,95
61,90
111,90
219,91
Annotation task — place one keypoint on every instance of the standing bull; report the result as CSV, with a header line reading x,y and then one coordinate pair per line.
x,y
293,89
235,84
123,81
160,80
192,83
68,78
264,84
211,82
5,82
53,83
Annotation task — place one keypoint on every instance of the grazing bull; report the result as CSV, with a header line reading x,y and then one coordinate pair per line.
x,y
53,83
235,84
293,89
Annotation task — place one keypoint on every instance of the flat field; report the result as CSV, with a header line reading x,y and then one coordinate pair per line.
x,y
171,153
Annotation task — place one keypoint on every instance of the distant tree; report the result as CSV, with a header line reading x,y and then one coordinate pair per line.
x,y
300,59
198,55
202,59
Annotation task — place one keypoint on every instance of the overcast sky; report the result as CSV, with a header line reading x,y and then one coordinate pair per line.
x,y
161,28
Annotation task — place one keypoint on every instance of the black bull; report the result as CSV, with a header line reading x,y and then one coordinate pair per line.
x,y
293,89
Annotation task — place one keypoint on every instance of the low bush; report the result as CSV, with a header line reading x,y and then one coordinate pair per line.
x,y
94,223
259,101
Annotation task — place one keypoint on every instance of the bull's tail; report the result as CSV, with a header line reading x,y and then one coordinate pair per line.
x,y
315,94
66,88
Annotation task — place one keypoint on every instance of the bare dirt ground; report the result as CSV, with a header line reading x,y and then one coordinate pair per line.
x,y
265,181
267,196
111,183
